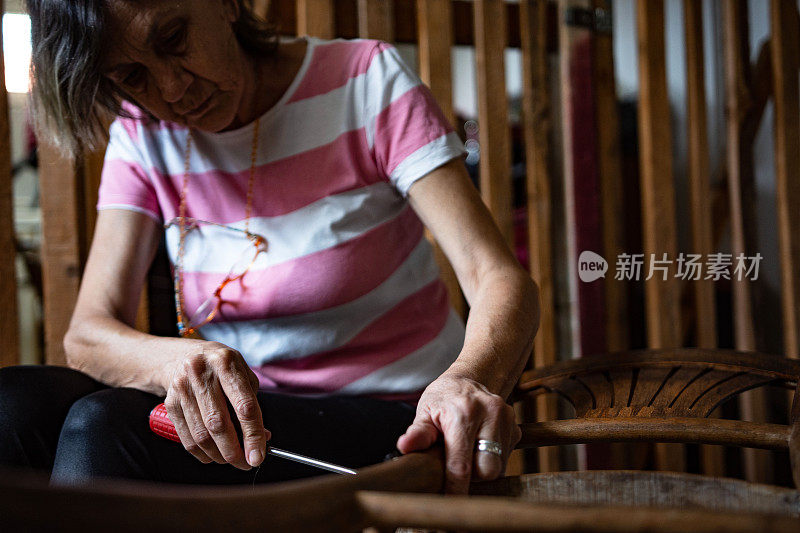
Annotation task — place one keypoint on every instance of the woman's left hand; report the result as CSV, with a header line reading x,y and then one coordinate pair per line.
x,y
463,411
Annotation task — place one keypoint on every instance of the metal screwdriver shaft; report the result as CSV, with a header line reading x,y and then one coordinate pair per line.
x,y
277,452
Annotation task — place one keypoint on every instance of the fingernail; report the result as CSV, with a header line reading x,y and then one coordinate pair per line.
x,y
255,457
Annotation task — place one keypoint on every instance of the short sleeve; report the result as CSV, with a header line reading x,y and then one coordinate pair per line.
x,y
125,183
407,130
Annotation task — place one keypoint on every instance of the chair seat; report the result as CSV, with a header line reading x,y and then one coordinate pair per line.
x,y
646,489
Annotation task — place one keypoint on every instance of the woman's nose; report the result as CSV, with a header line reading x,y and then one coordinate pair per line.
x,y
173,81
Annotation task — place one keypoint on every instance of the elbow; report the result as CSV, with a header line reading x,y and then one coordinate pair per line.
x,y
73,345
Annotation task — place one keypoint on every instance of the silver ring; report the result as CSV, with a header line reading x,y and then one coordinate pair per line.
x,y
490,446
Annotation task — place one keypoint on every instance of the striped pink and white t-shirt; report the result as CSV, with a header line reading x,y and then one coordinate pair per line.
x,y
347,299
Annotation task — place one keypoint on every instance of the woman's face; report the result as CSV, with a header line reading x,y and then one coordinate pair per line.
x,y
180,60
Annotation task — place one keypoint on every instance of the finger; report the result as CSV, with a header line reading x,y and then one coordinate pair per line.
x,y
237,387
499,425
199,430
214,412
177,416
488,465
420,435
459,442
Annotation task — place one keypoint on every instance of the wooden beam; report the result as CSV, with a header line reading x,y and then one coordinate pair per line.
x,y
62,202
611,186
493,133
376,19
712,457
9,328
316,18
582,197
658,194
741,188
435,43
537,129
699,188
785,65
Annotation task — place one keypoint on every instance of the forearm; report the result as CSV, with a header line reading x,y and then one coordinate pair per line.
x,y
116,354
502,323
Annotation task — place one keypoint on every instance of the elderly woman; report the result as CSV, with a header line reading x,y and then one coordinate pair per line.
x,y
292,180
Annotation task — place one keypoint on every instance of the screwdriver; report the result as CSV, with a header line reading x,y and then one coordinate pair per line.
x,y
163,426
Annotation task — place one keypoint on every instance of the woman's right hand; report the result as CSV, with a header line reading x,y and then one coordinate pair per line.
x,y
196,404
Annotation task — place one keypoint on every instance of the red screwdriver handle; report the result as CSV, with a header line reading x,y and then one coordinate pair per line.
x,y
161,424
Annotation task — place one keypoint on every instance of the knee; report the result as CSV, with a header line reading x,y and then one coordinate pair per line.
x,y
92,416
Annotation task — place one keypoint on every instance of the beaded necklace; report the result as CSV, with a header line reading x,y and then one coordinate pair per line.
x,y
179,301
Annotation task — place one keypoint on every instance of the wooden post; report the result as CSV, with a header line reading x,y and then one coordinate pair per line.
x,y
316,18
712,458
9,332
63,231
658,194
537,126
740,192
376,19
582,196
785,64
493,134
435,42
611,187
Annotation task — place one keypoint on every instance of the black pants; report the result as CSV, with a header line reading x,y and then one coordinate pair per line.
x,y
62,421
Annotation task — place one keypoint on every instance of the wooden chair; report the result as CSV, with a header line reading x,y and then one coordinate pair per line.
x,y
642,396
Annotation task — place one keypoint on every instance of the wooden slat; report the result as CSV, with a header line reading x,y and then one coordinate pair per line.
x,y
316,18
405,29
63,209
658,195
493,134
537,128
713,461
785,64
435,42
656,429
611,187
582,201
376,19
740,194
739,164
648,383
9,333
699,188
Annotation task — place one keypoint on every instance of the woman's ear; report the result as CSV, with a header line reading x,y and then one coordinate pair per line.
x,y
232,10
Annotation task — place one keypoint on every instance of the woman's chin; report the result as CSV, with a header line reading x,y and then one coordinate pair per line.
x,y
213,121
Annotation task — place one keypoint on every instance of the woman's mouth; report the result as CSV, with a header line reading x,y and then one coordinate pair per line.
x,y
201,109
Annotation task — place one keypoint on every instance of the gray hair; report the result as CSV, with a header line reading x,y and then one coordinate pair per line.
x,y
73,103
